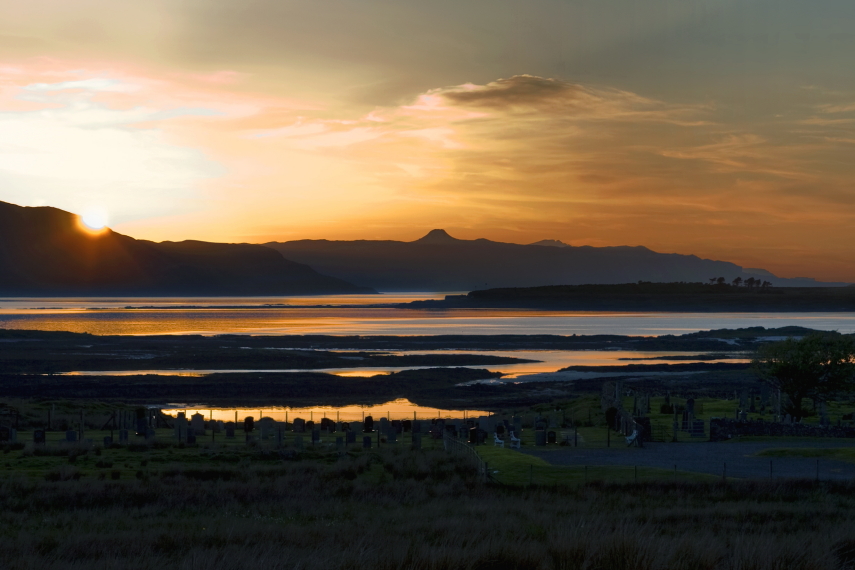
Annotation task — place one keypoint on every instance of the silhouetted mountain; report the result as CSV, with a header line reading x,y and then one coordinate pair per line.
x,y
46,251
550,243
439,262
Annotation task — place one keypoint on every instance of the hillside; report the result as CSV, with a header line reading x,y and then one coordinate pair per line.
x,y
440,262
46,251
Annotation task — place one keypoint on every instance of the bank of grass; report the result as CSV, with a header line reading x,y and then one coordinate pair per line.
x,y
399,508
838,453
510,467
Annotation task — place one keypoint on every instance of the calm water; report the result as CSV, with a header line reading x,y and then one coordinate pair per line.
x,y
548,361
354,314
395,410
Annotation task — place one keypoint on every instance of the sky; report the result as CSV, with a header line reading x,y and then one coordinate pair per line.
x,y
724,129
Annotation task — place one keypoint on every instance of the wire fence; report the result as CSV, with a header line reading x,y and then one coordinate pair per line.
x,y
468,453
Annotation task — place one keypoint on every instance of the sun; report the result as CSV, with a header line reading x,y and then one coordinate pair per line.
x,y
94,219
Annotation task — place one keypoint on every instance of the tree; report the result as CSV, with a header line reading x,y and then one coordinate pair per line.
x,y
737,281
815,366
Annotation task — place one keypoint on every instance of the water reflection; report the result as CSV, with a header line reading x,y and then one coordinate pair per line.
x,y
392,321
548,361
400,409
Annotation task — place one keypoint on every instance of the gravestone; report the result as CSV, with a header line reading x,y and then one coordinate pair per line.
x,y
339,442
248,424
517,425
690,405
351,437
392,437
684,425
197,422
5,434
397,427
540,425
316,436
743,400
417,426
500,431
279,435
299,425
310,425
191,436
328,425
180,426
417,441
482,436
764,396
368,424
38,436
473,435
697,429
384,426
540,437
339,426
218,426
407,426
751,406
366,442
230,430
108,441
70,436
13,435
298,441
149,434
550,437
743,416
123,436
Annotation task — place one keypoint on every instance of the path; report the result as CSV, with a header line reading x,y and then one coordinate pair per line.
x,y
741,458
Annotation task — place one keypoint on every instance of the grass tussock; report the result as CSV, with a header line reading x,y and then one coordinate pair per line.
x,y
395,508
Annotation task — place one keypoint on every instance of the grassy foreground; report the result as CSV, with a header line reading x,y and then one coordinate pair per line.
x,y
397,508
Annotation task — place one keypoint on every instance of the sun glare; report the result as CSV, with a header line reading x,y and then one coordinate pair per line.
x,y
94,219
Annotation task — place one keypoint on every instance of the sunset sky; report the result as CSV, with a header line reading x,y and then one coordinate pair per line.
x,y
720,128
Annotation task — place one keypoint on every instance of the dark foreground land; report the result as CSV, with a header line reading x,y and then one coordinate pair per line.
x,y
673,297
399,508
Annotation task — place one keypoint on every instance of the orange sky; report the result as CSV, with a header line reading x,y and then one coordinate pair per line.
x,y
724,129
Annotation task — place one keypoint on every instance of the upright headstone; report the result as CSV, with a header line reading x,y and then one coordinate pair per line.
x,y
298,441
407,426
397,426
180,427
417,426
197,422
108,441
417,440
5,434
517,425
339,442
540,437
230,430
123,436
299,425
39,436
218,426
248,424
550,437
351,436
690,405
366,442
191,436
316,436
310,425
368,424
13,435
384,426
70,436
392,436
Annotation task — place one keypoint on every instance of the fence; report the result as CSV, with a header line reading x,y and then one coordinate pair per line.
x,y
466,451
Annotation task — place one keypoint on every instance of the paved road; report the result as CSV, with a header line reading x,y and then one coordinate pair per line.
x,y
741,458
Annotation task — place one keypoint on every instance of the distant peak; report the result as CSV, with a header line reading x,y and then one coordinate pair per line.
x,y
437,236
550,243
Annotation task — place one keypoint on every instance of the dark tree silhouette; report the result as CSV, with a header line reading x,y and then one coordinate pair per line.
x,y
815,366
737,281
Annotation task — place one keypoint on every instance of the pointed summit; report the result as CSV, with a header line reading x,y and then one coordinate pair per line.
x,y
437,237
550,243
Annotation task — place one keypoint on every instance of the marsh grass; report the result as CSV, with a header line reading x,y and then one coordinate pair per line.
x,y
397,508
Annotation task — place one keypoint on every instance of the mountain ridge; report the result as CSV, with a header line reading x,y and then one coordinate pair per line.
x,y
441,262
45,251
